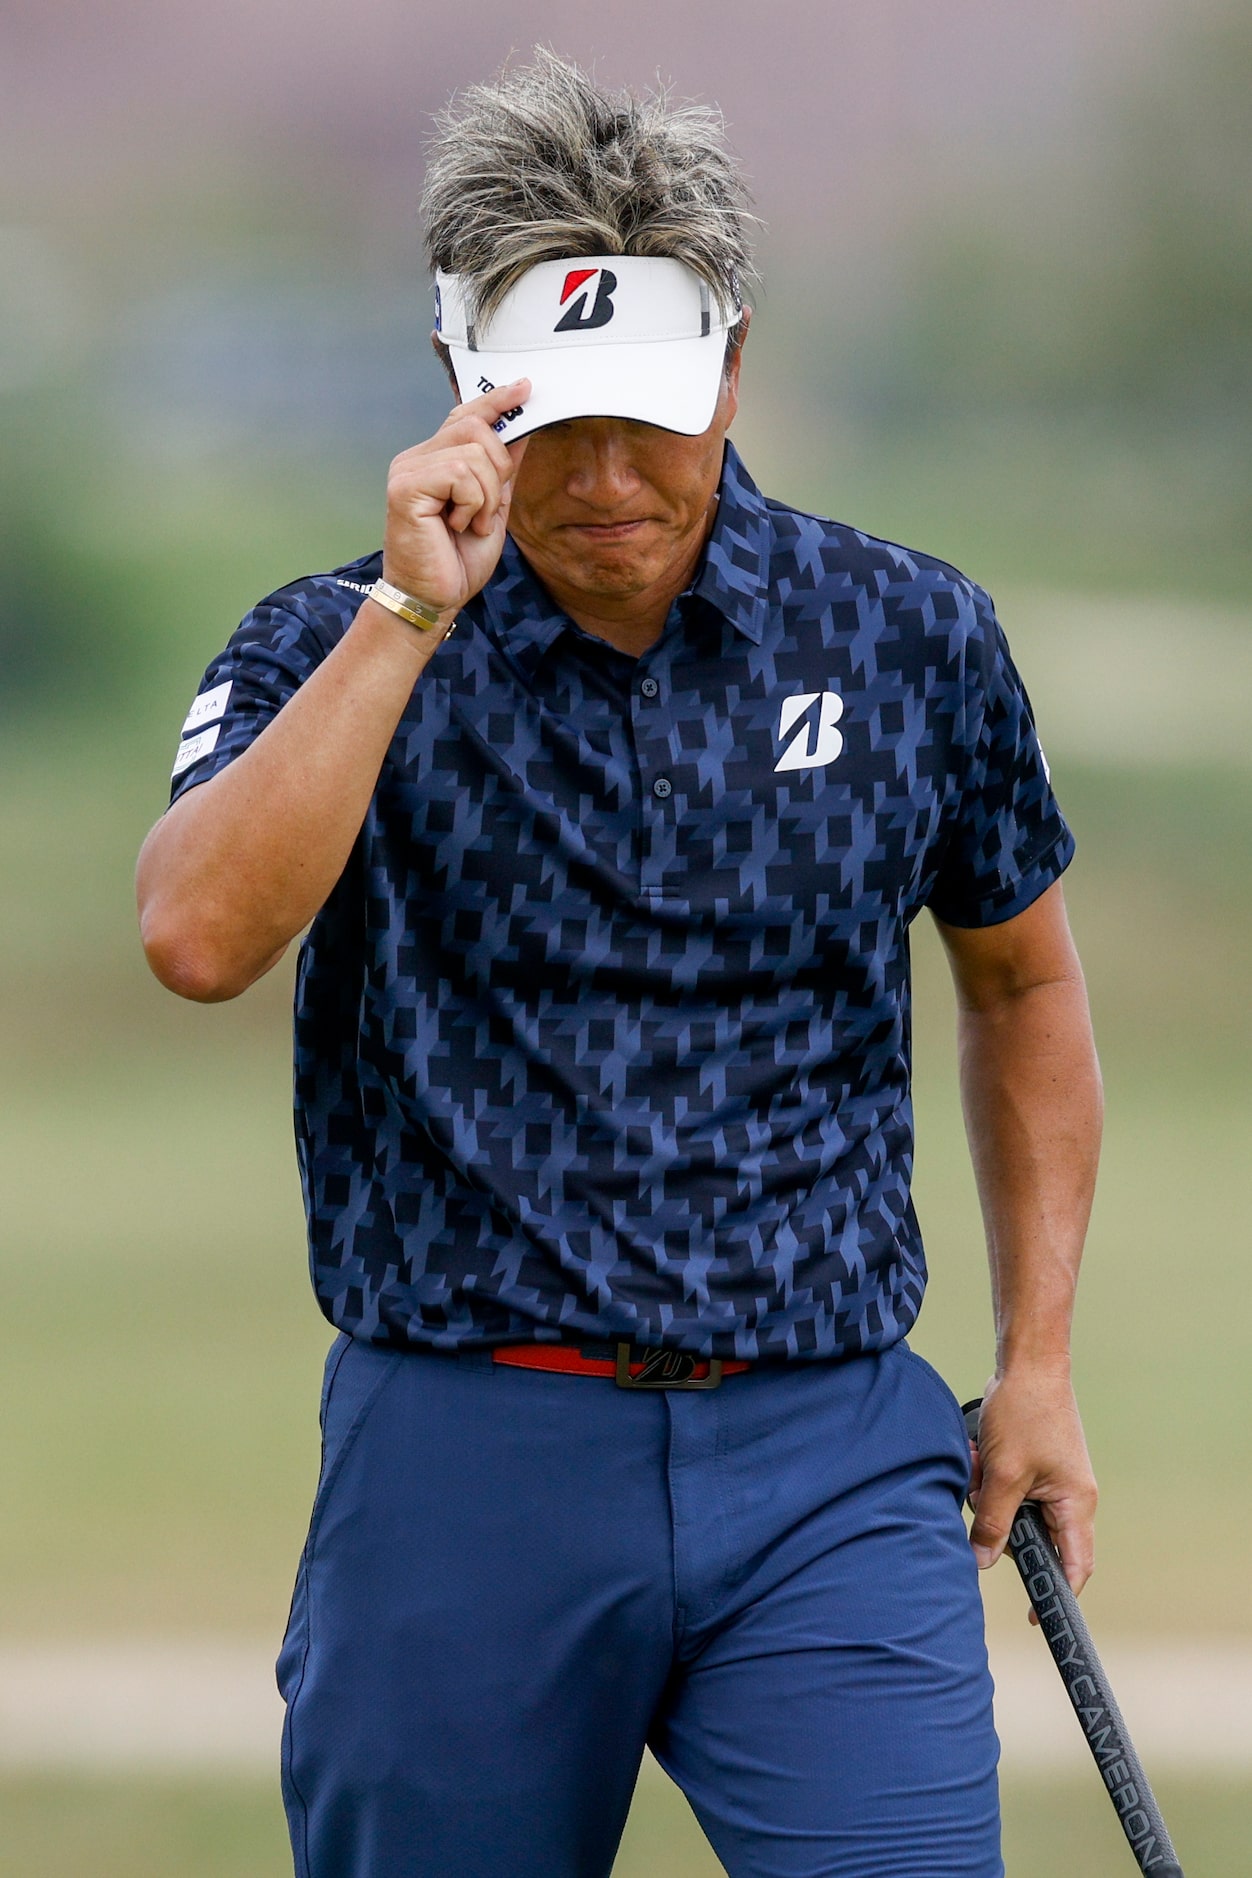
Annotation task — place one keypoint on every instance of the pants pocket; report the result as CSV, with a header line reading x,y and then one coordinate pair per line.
x,y
356,1378
937,1387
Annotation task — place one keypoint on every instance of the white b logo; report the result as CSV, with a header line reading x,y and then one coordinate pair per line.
x,y
814,743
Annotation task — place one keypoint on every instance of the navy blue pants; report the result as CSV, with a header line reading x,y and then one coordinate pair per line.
x,y
514,1580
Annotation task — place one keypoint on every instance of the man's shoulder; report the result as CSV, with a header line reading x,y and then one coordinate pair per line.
x,y
841,561
328,602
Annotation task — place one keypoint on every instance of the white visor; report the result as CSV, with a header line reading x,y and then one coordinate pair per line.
x,y
606,335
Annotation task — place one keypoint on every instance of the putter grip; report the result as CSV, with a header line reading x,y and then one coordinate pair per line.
x,y
1066,1634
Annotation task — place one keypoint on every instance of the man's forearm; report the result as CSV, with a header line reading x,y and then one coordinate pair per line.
x,y
1030,1085
240,865
1031,1090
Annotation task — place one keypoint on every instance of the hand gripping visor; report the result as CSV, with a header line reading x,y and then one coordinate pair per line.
x,y
608,335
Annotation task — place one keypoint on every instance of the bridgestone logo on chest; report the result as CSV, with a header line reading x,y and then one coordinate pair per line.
x,y
817,739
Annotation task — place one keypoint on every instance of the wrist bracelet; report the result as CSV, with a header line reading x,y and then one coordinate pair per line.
x,y
405,607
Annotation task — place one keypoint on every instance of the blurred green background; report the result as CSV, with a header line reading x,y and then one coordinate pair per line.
x,y
1007,318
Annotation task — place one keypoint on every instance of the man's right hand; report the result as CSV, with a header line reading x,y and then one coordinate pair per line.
x,y
448,503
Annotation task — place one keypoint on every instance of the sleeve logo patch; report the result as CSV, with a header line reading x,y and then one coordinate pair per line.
x,y
192,749
208,707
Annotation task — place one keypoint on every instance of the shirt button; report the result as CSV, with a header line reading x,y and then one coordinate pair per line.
x,y
648,688
662,787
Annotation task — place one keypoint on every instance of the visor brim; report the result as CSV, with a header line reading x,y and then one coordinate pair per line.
x,y
672,383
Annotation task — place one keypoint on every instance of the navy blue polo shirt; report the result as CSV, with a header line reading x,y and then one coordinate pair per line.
x,y
604,1031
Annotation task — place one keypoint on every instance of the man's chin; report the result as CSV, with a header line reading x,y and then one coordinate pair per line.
x,y
607,573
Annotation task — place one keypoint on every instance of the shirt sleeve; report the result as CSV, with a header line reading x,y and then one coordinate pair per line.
x,y
267,660
1007,841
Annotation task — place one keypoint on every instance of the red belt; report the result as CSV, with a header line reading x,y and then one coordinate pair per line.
x,y
630,1368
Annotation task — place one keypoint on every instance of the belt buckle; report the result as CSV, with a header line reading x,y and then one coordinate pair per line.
x,y
665,1369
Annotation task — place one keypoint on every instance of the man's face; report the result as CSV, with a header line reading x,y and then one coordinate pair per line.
x,y
607,510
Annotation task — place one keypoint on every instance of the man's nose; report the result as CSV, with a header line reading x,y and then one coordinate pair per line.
x,y
601,470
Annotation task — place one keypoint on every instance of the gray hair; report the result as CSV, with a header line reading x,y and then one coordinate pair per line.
x,y
543,164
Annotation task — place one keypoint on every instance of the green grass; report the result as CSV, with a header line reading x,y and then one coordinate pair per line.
x,y
81,1828
1069,1827
160,1358
60,1827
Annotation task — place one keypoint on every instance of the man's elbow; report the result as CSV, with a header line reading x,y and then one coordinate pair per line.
x,y
187,963
182,966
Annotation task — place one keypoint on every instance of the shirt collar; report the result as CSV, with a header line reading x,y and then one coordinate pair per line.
x,y
732,576
526,618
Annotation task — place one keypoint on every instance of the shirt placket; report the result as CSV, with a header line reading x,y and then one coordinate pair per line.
x,y
652,723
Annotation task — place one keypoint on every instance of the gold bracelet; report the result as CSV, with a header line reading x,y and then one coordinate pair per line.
x,y
404,606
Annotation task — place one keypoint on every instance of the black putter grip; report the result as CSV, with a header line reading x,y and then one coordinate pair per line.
x,y
1065,1632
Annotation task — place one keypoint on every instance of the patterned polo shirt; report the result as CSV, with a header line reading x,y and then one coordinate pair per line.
x,y
604,1031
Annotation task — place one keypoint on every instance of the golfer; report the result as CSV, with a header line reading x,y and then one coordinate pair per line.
x,y
608,792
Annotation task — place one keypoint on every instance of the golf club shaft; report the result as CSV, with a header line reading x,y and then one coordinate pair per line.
x,y
1066,1634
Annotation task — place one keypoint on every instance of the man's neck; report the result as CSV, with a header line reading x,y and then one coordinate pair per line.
x,y
633,634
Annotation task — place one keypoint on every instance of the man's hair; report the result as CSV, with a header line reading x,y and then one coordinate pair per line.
x,y
543,164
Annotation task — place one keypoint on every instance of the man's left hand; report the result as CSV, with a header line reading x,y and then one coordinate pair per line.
x,y
1031,1447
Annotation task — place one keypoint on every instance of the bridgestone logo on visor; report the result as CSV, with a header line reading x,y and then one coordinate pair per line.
x,y
577,319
